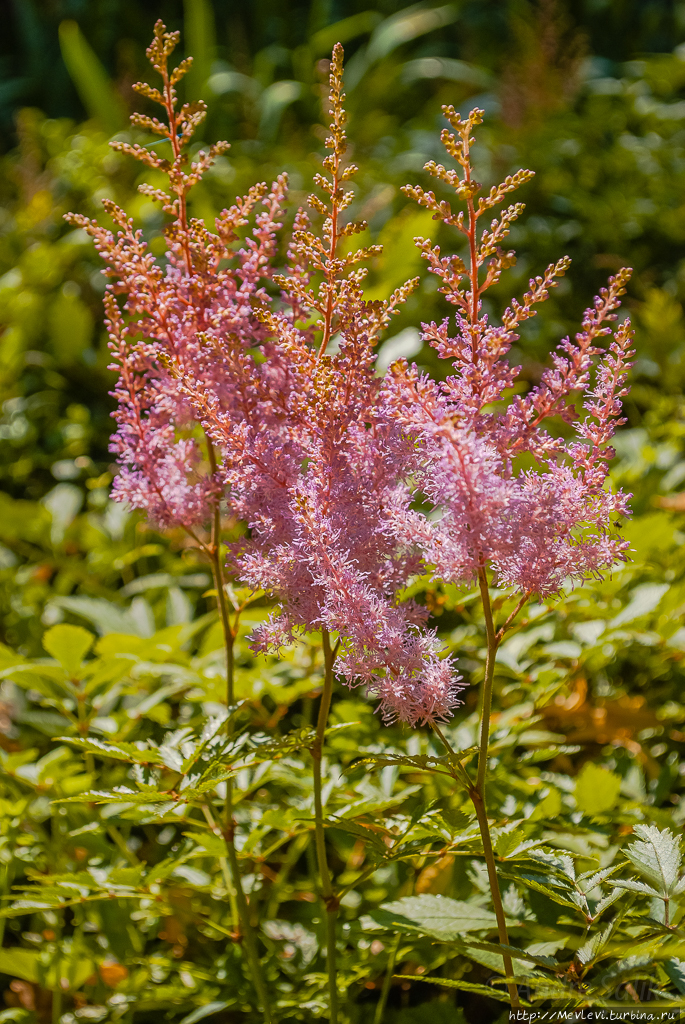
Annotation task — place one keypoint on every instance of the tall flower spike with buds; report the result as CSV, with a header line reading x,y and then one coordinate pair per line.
x,y
314,472
192,316
535,527
196,314
534,521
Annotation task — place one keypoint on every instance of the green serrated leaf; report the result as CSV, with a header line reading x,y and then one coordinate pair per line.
x,y
421,762
552,894
208,843
117,751
376,803
635,886
561,862
457,820
516,954
439,916
657,856
464,986
591,949
675,969
513,844
633,968
605,903
271,750
353,828
120,794
212,746
508,841
591,879
284,819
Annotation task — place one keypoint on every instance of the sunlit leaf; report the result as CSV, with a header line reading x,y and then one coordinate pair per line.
x,y
438,916
657,855
20,963
68,645
596,789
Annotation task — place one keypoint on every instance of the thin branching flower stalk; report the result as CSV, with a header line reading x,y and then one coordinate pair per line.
x,y
313,484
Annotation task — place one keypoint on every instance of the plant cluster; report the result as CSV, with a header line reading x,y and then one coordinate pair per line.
x,y
250,418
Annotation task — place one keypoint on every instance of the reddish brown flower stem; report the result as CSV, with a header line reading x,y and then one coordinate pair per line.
x,y
330,900
239,905
476,790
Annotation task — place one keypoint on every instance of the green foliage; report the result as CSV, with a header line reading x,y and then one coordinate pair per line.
x,y
440,917
113,798
98,97
596,789
115,741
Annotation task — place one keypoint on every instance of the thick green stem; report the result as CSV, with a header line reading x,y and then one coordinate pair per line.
x,y
57,993
330,900
387,981
57,997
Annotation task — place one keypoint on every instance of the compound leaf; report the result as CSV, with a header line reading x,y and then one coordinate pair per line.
x,y
439,916
657,856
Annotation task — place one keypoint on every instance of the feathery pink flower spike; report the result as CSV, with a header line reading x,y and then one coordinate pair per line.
x,y
194,315
530,528
536,527
296,442
314,471
315,454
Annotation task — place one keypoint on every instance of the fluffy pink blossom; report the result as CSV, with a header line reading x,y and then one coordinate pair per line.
x,y
534,527
271,405
314,474
296,441
159,472
193,315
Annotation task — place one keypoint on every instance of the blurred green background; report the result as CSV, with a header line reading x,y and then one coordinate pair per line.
x,y
591,95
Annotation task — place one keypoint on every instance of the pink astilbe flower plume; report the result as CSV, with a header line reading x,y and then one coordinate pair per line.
x,y
320,458
193,315
158,472
313,466
534,527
